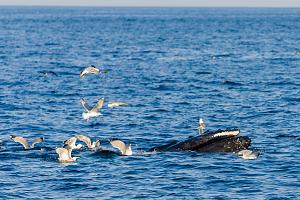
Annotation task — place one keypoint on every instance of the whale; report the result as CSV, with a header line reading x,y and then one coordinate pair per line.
x,y
227,140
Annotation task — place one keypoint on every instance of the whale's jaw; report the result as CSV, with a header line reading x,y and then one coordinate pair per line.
x,y
216,141
229,144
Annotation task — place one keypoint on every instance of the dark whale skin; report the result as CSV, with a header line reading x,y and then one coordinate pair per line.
x,y
209,142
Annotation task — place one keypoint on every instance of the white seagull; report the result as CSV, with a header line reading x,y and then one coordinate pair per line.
x,y
65,154
116,104
124,149
201,126
72,143
88,142
24,141
91,112
248,154
91,69
1,140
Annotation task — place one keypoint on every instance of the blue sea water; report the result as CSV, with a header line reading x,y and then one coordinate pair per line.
x,y
231,67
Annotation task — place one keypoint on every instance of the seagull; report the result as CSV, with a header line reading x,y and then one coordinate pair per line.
x,y
248,154
65,154
201,126
88,141
1,140
24,141
91,69
116,104
125,150
91,112
71,143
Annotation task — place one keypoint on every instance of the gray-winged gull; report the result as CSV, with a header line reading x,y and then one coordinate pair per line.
x,y
90,70
248,154
72,143
65,154
88,141
125,150
201,126
24,141
91,112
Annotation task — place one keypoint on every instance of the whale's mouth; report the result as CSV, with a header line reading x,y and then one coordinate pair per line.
x,y
221,133
245,141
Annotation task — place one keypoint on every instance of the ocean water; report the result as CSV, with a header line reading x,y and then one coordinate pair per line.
x,y
235,68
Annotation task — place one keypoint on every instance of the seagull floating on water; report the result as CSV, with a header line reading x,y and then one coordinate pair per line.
x,y
90,70
116,104
91,112
1,140
201,126
24,141
65,154
72,143
248,154
88,141
125,150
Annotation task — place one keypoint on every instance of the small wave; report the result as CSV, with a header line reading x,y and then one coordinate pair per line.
x,y
51,44
47,73
183,103
225,55
292,99
287,136
232,83
282,83
162,88
151,117
159,110
202,73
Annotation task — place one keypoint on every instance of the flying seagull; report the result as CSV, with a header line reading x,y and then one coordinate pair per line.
x,y
72,143
91,112
116,104
65,154
88,142
91,69
201,126
24,141
124,149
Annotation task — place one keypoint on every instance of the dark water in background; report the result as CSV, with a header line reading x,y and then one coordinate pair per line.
x,y
232,67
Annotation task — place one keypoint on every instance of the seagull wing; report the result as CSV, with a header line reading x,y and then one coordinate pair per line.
x,y
116,103
119,145
85,139
20,140
69,153
85,105
37,140
71,142
92,69
99,105
245,151
256,153
83,72
63,153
